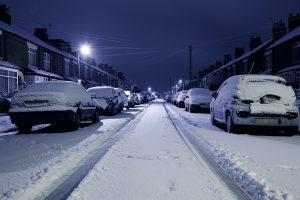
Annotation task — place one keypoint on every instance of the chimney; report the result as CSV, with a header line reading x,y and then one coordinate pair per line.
x,y
4,14
41,33
293,22
279,29
238,52
254,42
227,59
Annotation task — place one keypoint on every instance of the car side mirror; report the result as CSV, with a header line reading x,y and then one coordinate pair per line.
x,y
93,96
127,95
187,97
214,94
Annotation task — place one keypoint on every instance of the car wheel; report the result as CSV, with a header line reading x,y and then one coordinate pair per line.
x,y
75,124
230,127
96,116
24,128
185,108
212,119
127,107
190,110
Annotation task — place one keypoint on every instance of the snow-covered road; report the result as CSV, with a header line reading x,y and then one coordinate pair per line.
x,y
152,162
162,153
28,158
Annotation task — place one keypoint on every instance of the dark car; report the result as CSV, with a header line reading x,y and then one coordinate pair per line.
x,y
106,99
60,102
4,103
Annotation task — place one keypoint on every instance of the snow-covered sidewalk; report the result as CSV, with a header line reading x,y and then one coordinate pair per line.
x,y
152,162
267,167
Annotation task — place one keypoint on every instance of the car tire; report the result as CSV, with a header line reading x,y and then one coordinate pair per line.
x,y
75,124
127,107
96,117
212,119
190,110
230,127
24,128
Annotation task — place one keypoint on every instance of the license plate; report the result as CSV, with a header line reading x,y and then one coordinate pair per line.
x,y
267,121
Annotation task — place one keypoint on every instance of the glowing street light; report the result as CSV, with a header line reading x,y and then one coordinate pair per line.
x,y
85,50
180,81
149,89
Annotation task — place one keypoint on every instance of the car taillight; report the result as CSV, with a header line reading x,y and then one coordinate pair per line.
x,y
243,113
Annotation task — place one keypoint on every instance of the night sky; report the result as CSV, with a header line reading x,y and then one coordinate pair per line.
x,y
148,39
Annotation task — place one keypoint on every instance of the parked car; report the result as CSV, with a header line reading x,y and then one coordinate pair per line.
x,y
130,97
174,98
4,103
180,99
261,101
122,98
106,99
197,99
59,102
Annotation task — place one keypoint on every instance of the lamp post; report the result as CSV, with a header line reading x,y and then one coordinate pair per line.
x,y
85,49
149,89
181,82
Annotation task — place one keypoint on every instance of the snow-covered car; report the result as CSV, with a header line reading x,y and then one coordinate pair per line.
x,y
106,99
138,98
262,101
122,98
4,103
197,99
60,102
180,99
130,98
174,98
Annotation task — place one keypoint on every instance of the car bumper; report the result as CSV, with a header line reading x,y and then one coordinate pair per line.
x,y
200,107
45,117
265,121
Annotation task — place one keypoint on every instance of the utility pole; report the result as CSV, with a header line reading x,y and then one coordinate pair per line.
x,y
190,66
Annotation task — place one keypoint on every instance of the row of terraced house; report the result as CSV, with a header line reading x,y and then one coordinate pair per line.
x,y
27,58
278,56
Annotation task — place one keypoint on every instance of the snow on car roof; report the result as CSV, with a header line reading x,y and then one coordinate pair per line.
x,y
258,77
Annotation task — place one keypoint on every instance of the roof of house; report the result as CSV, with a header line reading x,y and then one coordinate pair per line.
x,y
8,64
291,68
244,56
288,36
31,38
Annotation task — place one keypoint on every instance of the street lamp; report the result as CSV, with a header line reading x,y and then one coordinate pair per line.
x,y
85,50
181,82
149,89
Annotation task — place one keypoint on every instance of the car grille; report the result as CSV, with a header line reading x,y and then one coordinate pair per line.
x,y
36,103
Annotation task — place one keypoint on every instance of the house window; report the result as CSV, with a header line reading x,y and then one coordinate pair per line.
x,y
67,67
31,54
268,61
296,52
8,80
46,59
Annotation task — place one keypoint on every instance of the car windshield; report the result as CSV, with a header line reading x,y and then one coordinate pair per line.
x,y
258,88
200,92
101,92
56,86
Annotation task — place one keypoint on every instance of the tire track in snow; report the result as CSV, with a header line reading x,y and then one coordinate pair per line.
x,y
196,149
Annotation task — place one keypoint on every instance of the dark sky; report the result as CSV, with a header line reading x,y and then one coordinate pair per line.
x,y
148,39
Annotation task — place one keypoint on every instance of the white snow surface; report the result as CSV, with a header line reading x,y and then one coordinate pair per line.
x,y
267,167
32,164
151,162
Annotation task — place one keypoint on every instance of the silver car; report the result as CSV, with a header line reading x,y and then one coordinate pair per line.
x,y
261,101
60,102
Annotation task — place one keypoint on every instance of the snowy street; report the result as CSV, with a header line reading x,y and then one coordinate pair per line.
x,y
160,152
